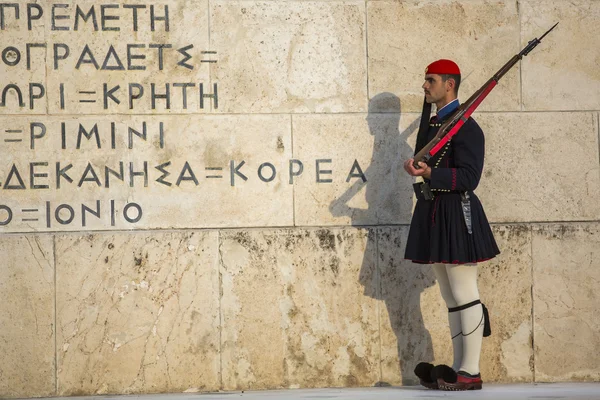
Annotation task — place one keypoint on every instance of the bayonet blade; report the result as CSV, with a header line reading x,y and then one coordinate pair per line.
x,y
549,30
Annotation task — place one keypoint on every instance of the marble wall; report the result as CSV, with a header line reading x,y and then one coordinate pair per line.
x,y
202,195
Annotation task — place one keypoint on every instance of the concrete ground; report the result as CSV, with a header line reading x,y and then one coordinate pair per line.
x,y
541,391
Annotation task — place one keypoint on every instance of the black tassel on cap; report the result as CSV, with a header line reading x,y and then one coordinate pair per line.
x,y
423,126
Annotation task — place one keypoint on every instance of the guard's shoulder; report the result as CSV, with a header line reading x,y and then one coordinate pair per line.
x,y
472,124
470,132
472,128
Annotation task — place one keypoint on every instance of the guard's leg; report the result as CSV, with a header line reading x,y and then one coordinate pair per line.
x,y
424,370
454,319
463,282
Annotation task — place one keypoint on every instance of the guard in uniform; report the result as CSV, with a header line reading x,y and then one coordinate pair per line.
x,y
449,228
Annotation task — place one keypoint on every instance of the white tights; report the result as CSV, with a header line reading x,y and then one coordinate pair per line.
x,y
458,284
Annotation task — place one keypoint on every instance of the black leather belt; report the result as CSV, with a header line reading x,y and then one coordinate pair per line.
x,y
424,192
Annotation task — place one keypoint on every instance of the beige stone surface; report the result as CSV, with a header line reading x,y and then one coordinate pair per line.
x,y
305,285
27,316
203,142
404,37
379,143
293,309
414,323
290,56
505,285
15,34
562,72
137,313
528,168
566,302
188,26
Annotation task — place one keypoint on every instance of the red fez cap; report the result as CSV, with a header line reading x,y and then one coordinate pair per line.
x,y
443,67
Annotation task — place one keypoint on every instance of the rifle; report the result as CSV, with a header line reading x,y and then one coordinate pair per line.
x,y
462,114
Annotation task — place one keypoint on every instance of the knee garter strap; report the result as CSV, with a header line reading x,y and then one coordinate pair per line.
x,y
487,330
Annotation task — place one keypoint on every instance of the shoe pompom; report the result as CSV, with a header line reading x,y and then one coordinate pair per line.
x,y
445,373
423,371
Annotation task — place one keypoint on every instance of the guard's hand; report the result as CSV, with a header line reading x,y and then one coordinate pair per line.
x,y
424,171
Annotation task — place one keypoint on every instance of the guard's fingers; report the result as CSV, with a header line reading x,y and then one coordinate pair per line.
x,y
413,171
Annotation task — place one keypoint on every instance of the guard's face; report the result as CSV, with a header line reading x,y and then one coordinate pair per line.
x,y
435,89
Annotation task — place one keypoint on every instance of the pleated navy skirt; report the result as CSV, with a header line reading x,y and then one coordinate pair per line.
x,y
438,232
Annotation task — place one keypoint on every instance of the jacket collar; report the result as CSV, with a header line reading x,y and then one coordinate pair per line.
x,y
447,110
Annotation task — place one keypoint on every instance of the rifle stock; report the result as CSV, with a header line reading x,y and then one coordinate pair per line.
x,y
462,114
